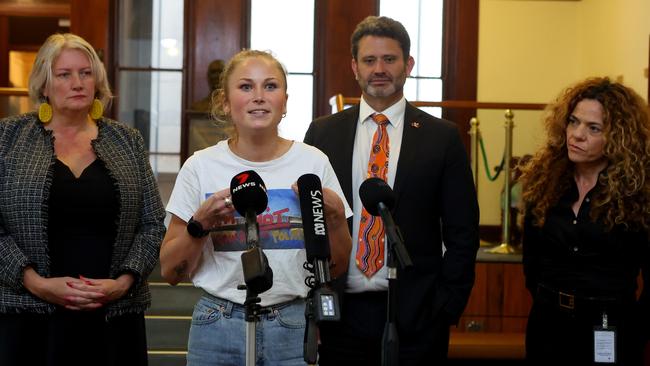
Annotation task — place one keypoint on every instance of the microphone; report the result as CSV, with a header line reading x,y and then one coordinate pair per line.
x,y
249,199
248,193
321,302
378,199
312,206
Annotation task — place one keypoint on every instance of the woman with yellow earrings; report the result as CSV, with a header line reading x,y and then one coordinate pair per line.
x,y
81,220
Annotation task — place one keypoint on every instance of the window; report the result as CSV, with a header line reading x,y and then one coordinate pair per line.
x,y
149,76
423,20
294,49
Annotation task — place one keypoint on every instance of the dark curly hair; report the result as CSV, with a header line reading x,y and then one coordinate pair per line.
x,y
623,197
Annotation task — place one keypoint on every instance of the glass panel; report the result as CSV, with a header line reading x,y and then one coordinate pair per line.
x,y
165,163
168,33
429,59
428,90
299,107
135,27
151,33
423,21
293,48
150,102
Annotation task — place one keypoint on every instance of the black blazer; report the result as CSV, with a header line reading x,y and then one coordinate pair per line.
x,y
435,203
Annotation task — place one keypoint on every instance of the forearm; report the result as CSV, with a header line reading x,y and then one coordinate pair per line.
x,y
179,259
180,252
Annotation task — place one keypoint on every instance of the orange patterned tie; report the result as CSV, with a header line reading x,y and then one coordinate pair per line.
x,y
370,250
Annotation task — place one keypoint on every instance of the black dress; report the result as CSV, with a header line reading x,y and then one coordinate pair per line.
x,y
83,215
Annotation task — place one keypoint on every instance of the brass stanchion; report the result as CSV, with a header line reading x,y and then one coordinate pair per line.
x,y
505,247
474,135
474,138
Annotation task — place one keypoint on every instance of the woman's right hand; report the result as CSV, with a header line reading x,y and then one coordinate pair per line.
x,y
59,291
215,209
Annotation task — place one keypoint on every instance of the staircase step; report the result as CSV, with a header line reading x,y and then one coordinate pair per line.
x,y
167,333
167,358
173,300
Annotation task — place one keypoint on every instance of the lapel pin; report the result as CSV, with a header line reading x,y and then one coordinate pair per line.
x,y
415,124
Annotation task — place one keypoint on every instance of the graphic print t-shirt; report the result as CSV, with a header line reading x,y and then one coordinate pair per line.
x,y
281,237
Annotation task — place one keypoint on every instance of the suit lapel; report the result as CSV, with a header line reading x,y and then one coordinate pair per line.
x,y
408,150
347,133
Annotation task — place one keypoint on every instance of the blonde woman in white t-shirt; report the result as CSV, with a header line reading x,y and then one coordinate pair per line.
x,y
205,238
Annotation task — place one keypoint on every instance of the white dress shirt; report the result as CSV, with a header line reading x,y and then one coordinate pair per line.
x,y
366,127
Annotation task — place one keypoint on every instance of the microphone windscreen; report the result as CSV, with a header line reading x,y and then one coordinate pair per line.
x,y
312,210
248,193
374,190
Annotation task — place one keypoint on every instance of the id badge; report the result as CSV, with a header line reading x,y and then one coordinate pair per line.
x,y
604,343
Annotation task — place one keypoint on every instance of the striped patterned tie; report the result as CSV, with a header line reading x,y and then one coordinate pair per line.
x,y
370,249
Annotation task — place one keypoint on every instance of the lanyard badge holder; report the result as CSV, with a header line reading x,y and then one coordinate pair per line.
x,y
604,342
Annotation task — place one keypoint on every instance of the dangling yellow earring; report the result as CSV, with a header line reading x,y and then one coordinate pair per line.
x,y
96,109
45,111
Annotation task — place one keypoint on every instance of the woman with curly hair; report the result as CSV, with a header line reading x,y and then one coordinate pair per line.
x,y
587,193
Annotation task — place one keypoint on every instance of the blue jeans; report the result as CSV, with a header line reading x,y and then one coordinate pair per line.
x,y
218,334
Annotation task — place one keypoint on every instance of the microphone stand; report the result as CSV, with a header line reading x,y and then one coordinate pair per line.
x,y
396,255
256,277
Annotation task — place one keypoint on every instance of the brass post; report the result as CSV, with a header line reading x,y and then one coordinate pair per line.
x,y
505,247
474,134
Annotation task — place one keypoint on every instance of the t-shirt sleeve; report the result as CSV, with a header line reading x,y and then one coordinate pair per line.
x,y
185,198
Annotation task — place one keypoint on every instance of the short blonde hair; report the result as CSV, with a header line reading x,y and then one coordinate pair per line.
x,y
41,75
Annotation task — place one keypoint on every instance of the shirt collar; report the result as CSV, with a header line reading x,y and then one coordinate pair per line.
x,y
395,112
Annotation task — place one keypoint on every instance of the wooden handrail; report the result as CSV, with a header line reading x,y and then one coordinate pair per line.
x,y
33,9
342,101
19,92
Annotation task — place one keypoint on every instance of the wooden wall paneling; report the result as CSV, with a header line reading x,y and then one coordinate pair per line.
x,y
94,21
460,60
90,20
479,324
499,301
214,29
335,22
494,300
516,324
35,8
517,299
4,51
477,306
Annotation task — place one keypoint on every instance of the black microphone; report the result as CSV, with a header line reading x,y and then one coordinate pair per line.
x,y
317,245
248,193
378,199
312,210
249,199
321,302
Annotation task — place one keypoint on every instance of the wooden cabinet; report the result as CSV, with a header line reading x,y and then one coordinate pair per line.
x,y
499,302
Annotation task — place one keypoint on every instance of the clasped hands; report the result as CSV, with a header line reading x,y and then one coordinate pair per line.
x,y
77,293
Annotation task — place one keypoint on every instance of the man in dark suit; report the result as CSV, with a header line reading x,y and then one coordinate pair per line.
x,y
436,203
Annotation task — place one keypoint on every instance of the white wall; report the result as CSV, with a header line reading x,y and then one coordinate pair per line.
x,y
530,50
